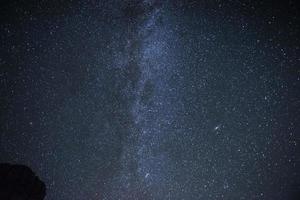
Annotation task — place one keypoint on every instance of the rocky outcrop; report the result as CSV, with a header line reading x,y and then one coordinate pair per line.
x,y
18,182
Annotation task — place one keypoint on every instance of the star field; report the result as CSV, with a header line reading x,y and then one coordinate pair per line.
x,y
148,99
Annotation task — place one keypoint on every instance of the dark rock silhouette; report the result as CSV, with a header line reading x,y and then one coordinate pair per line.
x,y
18,182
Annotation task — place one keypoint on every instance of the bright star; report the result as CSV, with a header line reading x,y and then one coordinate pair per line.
x,y
146,176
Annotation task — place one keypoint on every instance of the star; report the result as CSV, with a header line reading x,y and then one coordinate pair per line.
x,y
147,175
217,127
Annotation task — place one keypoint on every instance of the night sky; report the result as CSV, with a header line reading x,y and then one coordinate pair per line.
x,y
151,100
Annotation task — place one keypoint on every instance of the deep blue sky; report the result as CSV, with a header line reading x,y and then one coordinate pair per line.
x,y
153,99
